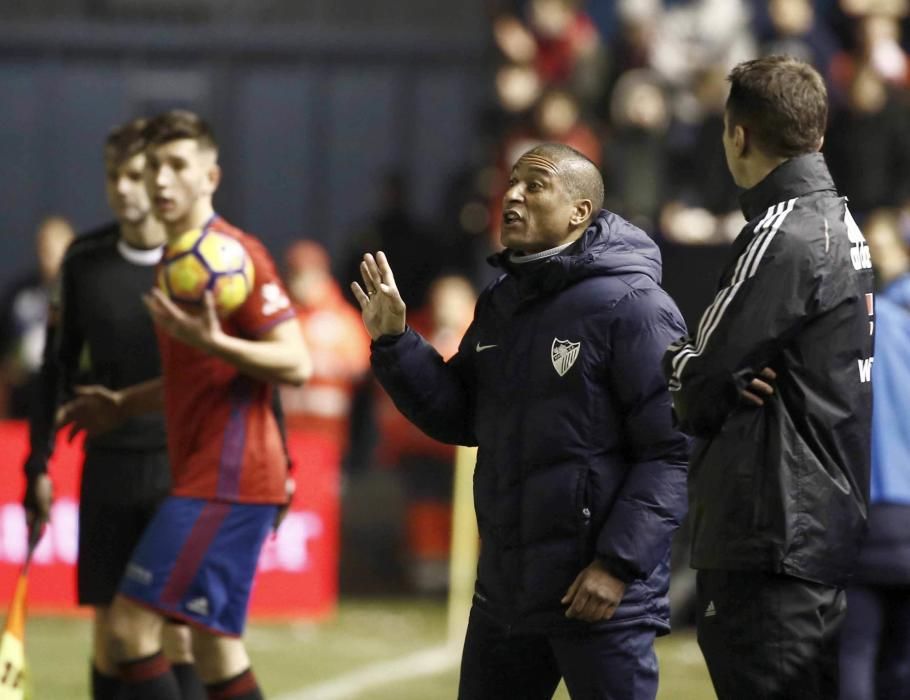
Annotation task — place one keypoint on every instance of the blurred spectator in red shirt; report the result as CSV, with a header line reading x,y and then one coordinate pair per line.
x,y
560,41
878,47
338,344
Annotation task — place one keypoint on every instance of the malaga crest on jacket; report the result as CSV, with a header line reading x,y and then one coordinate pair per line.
x,y
563,353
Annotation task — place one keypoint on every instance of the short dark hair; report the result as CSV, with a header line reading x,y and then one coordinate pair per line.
x,y
581,176
178,124
782,101
125,141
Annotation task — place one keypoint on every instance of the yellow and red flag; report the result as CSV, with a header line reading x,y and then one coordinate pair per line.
x,y
12,645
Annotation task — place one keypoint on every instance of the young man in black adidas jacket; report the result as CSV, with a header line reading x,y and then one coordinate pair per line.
x,y
776,384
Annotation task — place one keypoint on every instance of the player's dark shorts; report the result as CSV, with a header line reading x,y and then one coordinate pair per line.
x,y
196,561
120,492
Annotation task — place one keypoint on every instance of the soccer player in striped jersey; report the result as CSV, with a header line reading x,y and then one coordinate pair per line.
x,y
198,556
102,335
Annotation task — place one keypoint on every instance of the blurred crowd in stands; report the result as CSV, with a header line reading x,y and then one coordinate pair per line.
x,y
643,95
639,87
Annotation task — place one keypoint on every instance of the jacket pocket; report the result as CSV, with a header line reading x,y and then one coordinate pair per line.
x,y
583,516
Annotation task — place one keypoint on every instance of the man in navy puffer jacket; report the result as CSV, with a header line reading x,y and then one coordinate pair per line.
x,y
581,477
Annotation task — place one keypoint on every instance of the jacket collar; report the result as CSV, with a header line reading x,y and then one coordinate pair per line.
x,y
609,246
796,177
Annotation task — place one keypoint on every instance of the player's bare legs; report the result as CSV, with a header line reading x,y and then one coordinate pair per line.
x,y
177,641
135,631
105,674
101,642
219,657
136,647
223,664
177,644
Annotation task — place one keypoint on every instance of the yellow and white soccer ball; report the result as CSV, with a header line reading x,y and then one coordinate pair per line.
x,y
200,260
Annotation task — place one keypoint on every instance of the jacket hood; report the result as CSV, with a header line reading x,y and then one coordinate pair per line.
x,y
609,246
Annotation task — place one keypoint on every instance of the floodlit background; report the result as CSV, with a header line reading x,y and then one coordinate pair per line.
x,y
353,125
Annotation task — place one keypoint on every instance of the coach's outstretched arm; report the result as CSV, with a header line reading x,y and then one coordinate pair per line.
x,y
430,392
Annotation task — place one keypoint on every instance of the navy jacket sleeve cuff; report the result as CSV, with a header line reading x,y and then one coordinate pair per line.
x,y
618,568
385,341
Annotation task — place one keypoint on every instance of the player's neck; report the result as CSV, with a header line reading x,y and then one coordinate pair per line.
x,y
757,168
197,217
145,235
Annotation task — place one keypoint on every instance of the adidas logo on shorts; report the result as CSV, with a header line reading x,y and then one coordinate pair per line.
x,y
138,574
200,606
710,611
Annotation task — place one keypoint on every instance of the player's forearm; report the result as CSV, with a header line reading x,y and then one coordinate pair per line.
x,y
283,361
147,397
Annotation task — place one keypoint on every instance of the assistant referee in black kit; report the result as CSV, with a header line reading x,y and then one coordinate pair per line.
x,y
101,334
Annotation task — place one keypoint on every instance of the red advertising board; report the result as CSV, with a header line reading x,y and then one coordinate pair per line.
x,y
298,568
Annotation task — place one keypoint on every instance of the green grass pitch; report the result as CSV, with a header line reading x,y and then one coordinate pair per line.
x,y
291,656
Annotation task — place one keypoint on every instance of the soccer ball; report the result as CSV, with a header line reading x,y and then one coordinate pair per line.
x,y
197,261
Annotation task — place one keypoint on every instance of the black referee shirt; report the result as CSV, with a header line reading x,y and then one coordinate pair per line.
x,y
104,334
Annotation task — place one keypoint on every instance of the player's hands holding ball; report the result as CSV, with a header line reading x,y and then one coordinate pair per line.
x,y
200,329
381,306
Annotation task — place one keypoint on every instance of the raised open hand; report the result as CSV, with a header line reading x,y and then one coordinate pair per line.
x,y
381,306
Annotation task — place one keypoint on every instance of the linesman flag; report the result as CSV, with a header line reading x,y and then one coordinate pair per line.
x,y
12,644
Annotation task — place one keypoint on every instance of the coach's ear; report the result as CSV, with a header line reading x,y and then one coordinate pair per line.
x,y
582,213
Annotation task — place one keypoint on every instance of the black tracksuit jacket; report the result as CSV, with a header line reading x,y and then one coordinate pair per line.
x,y
783,487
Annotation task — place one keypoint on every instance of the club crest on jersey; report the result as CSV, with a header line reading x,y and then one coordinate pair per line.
x,y
563,353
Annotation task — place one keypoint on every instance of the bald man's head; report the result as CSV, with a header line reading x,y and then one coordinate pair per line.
x,y
554,193
580,176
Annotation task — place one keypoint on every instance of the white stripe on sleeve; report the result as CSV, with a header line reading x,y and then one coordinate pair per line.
x,y
746,267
